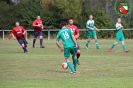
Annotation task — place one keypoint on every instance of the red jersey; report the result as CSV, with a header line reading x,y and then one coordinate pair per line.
x,y
18,32
74,28
38,22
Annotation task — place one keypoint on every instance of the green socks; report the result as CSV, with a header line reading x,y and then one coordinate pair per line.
x,y
88,41
124,47
75,62
70,66
96,42
113,45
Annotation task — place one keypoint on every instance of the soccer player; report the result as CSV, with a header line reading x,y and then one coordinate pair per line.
x,y
91,32
18,33
38,26
70,45
119,36
76,34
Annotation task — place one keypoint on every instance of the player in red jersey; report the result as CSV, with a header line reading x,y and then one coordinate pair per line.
x,y
76,34
18,33
38,26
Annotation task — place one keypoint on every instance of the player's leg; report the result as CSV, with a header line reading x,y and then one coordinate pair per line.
x,y
87,42
112,46
73,51
123,45
118,38
75,61
23,46
78,54
67,55
41,39
25,43
35,37
89,35
96,40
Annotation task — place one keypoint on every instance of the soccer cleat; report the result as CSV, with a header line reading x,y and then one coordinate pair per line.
x,y
72,72
86,47
42,47
126,51
78,62
110,50
33,46
98,47
25,51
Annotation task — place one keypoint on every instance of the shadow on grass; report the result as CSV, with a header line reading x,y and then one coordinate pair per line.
x,y
57,71
16,52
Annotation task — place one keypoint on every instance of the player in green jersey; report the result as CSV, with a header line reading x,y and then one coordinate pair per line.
x,y
91,32
119,36
70,45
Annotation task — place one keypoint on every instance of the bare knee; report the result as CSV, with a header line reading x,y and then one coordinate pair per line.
x,y
95,37
78,52
89,39
41,37
67,59
123,42
116,43
23,45
74,55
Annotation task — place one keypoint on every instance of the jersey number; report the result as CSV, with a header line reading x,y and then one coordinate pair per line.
x,y
66,35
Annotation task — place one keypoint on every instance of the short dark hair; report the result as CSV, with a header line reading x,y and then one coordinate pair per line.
x,y
16,22
63,23
118,18
90,15
70,18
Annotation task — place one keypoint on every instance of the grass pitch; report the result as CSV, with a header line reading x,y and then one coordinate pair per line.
x,y
41,68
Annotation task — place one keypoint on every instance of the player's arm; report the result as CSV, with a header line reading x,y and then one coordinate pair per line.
x,y
122,26
24,31
118,28
59,46
14,37
57,42
34,24
96,29
77,33
42,26
77,36
89,27
74,39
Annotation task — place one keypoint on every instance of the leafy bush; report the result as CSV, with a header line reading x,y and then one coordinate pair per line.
x,y
53,12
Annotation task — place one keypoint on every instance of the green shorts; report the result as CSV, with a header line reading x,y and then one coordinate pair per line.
x,y
70,50
120,38
91,33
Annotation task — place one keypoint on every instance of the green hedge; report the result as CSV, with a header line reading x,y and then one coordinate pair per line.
x,y
25,12
108,34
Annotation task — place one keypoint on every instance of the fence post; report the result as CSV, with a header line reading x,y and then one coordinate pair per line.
x,y
3,35
48,35
26,35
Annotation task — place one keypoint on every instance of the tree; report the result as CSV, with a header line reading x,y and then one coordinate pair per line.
x,y
71,8
25,13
